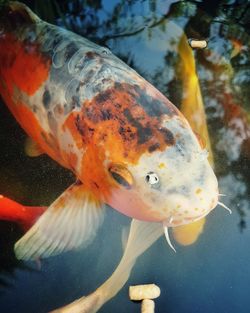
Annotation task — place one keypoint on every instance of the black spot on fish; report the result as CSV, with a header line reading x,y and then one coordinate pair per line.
x,y
46,98
152,106
103,96
143,133
75,102
70,50
79,87
106,80
119,86
50,114
153,147
106,115
87,76
34,108
63,54
79,127
118,105
30,37
58,37
96,185
97,88
126,133
168,136
91,55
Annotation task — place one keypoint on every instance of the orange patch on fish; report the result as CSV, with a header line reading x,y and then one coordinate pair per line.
x,y
70,124
117,115
86,138
18,61
72,160
31,125
93,173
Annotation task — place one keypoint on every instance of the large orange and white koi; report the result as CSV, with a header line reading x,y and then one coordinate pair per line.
x,y
128,146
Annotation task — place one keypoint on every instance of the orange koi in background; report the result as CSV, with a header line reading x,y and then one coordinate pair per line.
x,y
192,107
128,146
236,134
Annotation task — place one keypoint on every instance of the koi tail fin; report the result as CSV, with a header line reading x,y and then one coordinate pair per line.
x,y
142,235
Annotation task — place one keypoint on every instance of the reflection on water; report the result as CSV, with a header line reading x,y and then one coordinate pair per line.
x,y
213,274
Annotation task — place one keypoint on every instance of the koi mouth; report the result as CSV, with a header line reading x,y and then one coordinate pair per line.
x,y
172,222
196,218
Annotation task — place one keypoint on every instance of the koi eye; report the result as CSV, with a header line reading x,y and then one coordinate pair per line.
x,y
152,179
121,175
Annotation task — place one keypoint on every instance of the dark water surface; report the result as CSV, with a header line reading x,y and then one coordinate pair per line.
x,y
213,275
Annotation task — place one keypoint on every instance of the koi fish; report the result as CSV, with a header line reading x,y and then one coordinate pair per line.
x,y
192,107
25,216
127,144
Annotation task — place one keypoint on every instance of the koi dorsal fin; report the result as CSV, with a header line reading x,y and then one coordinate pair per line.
x,y
70,222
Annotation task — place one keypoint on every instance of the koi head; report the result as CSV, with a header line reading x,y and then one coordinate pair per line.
x,y
176,185
146,155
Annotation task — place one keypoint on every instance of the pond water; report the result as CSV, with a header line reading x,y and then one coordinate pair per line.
x,y
211,275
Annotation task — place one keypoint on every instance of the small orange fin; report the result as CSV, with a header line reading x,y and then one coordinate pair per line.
x,y
31,148
70,221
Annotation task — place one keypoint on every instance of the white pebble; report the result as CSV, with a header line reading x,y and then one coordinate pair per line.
x,y
147,306
197,44
141,292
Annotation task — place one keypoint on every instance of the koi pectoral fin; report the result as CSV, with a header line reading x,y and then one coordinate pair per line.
x,y
71,221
